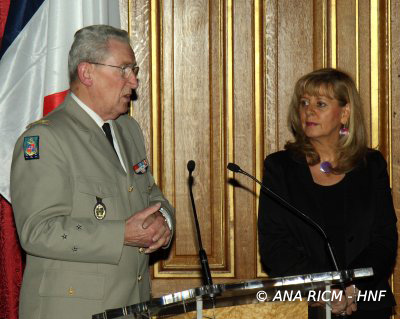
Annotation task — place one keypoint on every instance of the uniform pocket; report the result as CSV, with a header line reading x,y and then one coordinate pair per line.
x,y
96,188
89,192
72,284
69,294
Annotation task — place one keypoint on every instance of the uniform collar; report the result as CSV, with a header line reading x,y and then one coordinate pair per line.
x,y
93,115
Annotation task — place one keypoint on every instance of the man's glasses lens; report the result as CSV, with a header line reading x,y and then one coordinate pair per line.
x,y
127,71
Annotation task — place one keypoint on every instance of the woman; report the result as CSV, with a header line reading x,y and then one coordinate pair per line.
x,y
329,173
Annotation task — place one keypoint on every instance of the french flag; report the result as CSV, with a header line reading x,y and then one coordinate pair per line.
x,y
33,81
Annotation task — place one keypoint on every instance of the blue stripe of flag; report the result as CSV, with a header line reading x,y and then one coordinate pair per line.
x,y
19,14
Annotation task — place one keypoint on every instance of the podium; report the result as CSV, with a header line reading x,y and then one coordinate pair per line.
x,y
281,289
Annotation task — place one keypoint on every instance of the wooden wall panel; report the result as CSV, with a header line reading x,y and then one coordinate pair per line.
x,y
216,79
271,76
365,60
244,132
138,13
295,55
394,83
347,54
192,128
191,125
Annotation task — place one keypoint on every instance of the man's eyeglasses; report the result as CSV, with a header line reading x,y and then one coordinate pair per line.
x,y
126,71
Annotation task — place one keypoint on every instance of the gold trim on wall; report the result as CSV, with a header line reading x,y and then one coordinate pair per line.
x,y
222,134
129,30
156,17
374,76
389,27
155,87
230,129
357,48
333,27
230,106
155,99
324,34
259,89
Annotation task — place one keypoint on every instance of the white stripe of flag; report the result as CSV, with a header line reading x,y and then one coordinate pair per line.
x,y
34,67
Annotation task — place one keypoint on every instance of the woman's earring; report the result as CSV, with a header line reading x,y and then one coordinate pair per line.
x,y
344,131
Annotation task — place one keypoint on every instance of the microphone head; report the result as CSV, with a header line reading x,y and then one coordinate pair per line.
x,y
234,168
191,165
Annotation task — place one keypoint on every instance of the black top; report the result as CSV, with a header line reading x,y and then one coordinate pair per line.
x,y
331,206
366,235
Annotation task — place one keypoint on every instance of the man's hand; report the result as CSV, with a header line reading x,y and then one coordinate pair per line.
x,y
148,229
163,233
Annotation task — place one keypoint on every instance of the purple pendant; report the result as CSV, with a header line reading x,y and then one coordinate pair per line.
x,y
325,167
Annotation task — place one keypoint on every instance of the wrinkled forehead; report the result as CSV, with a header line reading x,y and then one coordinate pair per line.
x,y
121,51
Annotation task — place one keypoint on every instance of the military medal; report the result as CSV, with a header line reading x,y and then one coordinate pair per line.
x,y
141,167
99,209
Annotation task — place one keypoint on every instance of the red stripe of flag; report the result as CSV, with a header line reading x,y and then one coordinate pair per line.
x,y
52,101
4,6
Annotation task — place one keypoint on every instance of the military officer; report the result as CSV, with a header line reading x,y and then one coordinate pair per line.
x,y
86,207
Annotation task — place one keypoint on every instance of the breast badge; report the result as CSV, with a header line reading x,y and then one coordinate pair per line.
x,y
31,147
99,209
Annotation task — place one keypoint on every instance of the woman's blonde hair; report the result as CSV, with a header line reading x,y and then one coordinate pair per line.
x,y
337,85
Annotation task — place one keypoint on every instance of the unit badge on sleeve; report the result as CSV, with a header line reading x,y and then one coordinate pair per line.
x,y
31,147
141,167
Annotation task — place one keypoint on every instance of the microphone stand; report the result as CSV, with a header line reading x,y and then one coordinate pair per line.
x,y
205,267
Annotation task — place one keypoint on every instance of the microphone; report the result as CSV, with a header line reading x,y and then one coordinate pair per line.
x,y
236,169
205,267
191,166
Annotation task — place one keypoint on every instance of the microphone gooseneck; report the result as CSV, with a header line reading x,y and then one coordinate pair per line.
x,y
205,267
236,169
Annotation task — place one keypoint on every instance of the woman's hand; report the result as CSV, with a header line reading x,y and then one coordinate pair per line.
x,y
343,303
347,304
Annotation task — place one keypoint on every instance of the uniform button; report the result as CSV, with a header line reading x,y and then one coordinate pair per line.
x,y
130,189
149,188
71,291
141,250
139,278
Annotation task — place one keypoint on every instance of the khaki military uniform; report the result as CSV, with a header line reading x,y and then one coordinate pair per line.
x,y
77,264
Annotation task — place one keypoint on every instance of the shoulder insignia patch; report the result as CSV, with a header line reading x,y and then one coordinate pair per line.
x,y
31,147
38,122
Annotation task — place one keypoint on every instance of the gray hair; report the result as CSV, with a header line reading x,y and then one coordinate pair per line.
x,y
91,45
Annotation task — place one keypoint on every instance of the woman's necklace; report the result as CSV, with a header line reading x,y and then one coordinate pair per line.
x,y
325,167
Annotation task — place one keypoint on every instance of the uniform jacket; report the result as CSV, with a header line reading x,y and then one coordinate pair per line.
x,y
77,264
289,246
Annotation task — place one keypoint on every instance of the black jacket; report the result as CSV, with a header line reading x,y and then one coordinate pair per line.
x,y
290,246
